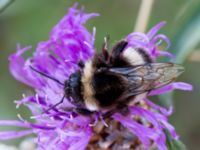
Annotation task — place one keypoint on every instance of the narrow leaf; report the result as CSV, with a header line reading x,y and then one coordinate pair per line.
x,y
188,39
4,4
173,144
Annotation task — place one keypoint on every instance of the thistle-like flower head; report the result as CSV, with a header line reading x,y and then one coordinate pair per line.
x,y
69,42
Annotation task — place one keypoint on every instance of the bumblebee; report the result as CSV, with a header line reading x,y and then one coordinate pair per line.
x,y
109,82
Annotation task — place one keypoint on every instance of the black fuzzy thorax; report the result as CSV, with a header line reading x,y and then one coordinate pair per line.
x,y
108,87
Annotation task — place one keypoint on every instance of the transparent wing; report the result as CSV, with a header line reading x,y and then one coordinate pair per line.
x,y
143,78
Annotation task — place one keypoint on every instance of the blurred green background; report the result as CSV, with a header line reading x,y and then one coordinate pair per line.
x,y
30,21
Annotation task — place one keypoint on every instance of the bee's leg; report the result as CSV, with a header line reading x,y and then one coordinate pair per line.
x,y
105,49
116,58
76,110
55,105
121,108
118,49
83,111
109,114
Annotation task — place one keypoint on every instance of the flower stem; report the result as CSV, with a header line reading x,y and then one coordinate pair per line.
x,y
143,15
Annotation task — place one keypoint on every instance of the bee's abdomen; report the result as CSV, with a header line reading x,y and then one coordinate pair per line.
x,y
108,88
136,56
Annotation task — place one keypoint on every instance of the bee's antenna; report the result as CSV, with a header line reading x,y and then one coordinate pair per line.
x,y
46,75
52,107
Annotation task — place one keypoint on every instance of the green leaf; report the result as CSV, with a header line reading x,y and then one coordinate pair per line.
x,y
188,39
173,144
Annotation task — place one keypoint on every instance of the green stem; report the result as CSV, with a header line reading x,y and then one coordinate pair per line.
x,y
143,15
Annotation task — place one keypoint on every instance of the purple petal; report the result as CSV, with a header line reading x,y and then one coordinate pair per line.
x,y
164,111
18,69
162,118
137,39
13,123
144,133
167,54
158,39
150,41
7,135
158,121
155,29
170,87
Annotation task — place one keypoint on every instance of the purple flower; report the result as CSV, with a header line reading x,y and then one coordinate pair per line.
x,y
69,42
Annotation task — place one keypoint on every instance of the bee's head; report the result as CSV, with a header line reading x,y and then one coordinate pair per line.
x,y
72,88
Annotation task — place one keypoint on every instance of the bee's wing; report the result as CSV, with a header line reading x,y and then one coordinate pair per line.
x,y
143,78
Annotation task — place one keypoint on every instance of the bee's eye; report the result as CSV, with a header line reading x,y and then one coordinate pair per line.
x,y
74,80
